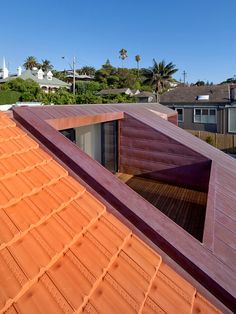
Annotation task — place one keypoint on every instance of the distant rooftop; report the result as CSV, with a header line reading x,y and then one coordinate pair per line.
x,y
115,91
46,79
191,94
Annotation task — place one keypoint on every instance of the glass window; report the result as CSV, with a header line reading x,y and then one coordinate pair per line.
x,y
110,145
205,115
180,114
69,133
197,118
212,116
232,120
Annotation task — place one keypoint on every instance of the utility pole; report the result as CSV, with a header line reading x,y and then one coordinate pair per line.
x,y
73,70
184,74
74,75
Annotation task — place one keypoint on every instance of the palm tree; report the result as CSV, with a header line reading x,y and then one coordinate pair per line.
x,y
123,55
30,63
46,65
88,70
138,59
160,75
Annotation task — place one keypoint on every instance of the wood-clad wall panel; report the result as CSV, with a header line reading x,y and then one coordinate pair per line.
x,y
150,153
173,119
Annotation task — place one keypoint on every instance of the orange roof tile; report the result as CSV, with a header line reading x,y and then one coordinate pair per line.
x,y
61,251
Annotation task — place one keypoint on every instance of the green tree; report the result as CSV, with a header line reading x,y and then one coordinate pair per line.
x,y
230,80
88,98
159,76
126,78
82,87
105,72
88,70
61,75
30,63
114,99
123,55
20,85
46,65
28,89
107,64
200,83
138,59
9,97
61,97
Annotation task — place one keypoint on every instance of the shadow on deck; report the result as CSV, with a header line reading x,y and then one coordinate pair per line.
x,y
185,207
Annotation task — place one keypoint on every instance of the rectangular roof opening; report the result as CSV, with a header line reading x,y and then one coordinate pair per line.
x,y
203,97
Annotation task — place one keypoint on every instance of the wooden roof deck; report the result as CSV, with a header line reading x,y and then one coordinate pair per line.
x,y
185,207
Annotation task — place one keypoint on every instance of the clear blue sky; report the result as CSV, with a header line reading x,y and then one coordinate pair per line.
x,y
199,36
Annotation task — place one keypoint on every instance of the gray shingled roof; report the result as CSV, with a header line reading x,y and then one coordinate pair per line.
x,y
145,94
114,91
31,74
188,94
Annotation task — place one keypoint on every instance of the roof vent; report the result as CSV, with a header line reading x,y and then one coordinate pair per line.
x,y
40,74
203,97
49,75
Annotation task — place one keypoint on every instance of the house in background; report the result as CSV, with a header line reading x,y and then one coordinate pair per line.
x,y
118,91
78,77
204,108
146,97
46,81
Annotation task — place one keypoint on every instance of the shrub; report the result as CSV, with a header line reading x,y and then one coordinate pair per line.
x,y
9,97
209,140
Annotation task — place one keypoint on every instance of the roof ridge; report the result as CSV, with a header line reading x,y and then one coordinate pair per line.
x,y
150,285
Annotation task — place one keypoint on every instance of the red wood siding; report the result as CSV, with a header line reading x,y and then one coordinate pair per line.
x,y
173,119
150,153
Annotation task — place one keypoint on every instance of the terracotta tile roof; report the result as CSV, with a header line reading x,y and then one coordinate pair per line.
x,y
61,251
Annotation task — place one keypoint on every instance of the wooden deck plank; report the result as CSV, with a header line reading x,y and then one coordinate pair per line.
x,y
185,207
